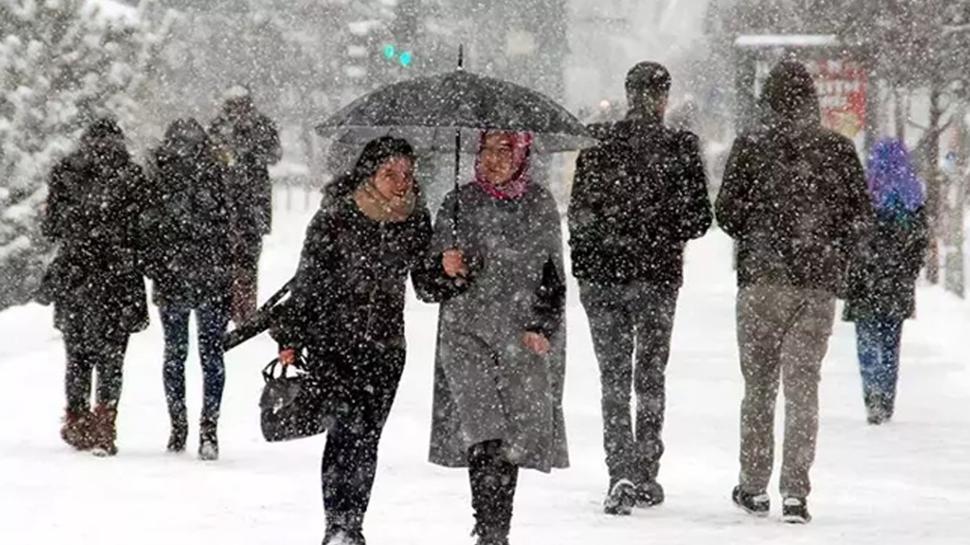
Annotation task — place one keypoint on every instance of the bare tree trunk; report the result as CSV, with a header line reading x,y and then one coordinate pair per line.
x,y
900,113
933,182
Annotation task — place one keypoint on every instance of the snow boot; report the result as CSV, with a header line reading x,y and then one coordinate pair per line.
x,y
178,436
877,411
649,494
208,441
758,505
105,433
76,430
621,499
795,511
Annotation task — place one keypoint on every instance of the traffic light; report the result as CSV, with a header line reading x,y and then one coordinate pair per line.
x,y
398,56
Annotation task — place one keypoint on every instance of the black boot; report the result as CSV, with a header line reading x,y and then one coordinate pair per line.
x,y
876,409
179,434
758,505
208,441
493,482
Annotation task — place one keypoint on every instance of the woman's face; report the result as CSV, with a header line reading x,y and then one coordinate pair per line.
x,y
498,159
395,178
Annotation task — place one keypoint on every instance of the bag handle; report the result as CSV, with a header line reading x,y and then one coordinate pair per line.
x,y
270,370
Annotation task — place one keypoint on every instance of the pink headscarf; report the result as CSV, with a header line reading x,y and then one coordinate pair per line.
x,y
521,143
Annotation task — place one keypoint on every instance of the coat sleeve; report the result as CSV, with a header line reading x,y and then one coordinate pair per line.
x,y
734,204
270,150
549,306
917,244
314,281
859,217
695,215
431,284
58,202
585,205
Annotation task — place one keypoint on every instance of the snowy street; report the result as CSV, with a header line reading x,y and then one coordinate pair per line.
x,y
906,482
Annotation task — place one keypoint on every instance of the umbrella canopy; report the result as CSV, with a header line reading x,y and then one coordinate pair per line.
x,y
428,110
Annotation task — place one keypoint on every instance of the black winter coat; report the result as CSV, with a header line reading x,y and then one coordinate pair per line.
x,y
253,143
637,198
95,282
350,287
882,279
188,225
794,198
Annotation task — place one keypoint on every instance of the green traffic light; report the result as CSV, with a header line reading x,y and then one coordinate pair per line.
x,y
406,59
389,51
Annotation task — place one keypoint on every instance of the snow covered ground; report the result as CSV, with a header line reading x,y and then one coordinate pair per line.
x,y
908,482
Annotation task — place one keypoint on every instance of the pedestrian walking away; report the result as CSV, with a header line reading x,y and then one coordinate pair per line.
x,y
346,312
637,199
500,358
882,278
94,204
247,142
189,263
794,199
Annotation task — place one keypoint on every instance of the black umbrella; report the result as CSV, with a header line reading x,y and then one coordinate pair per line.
x,y
438,112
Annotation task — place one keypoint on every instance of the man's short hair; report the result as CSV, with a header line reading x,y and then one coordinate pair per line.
x,y
647,82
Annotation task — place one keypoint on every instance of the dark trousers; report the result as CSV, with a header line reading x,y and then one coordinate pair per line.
x,y
87,351
211,324
631,325
366,383
878,341
246,250
493,481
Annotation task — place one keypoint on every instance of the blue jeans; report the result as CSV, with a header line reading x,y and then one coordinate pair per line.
x,y
211,320
878,345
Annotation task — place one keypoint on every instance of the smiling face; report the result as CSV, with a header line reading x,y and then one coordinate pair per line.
x,y
395,178
498,158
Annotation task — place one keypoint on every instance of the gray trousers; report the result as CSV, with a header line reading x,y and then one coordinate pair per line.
x,y
631,325
783,335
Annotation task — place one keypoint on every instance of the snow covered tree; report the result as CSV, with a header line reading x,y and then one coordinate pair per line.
x,y
62,64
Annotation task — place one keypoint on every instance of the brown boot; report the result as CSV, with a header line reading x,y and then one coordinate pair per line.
x,y
77,429
104,431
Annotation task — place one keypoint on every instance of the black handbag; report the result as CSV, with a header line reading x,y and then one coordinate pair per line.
x,y
295,404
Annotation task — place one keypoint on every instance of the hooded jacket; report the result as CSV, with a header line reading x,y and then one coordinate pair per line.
x,y
794,195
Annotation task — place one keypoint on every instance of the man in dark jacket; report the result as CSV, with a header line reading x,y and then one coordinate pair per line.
x,y
247,142
637,199
794,199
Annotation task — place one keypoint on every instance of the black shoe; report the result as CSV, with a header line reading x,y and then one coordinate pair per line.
x,y
621,499
208,441
758,505
650,494
795,511
876,409
341,536
178,437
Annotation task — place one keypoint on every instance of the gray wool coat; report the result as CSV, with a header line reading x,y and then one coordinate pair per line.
x,y
488,386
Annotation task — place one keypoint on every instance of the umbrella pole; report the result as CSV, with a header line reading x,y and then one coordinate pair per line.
x,y
454,217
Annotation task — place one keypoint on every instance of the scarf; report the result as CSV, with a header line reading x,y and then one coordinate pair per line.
x,y
515,187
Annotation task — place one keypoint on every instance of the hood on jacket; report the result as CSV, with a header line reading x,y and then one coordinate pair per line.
x,y
789,96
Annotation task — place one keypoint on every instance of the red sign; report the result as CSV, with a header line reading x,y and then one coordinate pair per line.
x,y
842,88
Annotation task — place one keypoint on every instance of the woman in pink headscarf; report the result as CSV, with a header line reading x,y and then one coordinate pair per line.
x,y
500,362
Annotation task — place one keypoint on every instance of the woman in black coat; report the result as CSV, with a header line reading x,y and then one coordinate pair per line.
x,y
347,313
882,280
189,264
96,196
